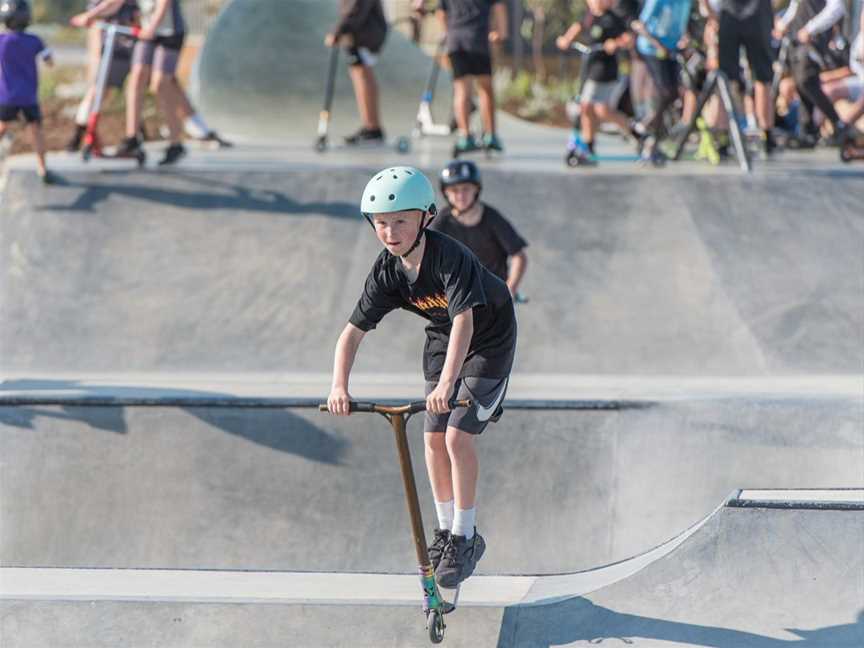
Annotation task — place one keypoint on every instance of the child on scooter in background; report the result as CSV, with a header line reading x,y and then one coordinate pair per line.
x,y
607,30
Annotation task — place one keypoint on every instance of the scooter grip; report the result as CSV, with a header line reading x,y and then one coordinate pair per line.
x,y
353,406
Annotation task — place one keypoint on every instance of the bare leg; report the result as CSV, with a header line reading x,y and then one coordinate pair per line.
x,y
588,122
486,94
438,466
462,104
463,459
366,93
179,98
764,109
162,88
38,139
606,114
135,87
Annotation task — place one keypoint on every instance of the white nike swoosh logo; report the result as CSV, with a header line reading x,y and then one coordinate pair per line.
x,y
485,413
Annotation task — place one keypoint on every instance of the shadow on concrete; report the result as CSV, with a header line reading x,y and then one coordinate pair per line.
x,y
275,428
219,195
579,619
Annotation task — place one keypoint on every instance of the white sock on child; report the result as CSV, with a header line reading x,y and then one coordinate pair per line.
x,y
464,521
83,113
445,514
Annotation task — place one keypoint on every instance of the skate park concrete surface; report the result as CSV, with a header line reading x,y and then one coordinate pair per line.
x,y
166,335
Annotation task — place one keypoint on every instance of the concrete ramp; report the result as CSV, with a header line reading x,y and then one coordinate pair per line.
x,y
244,271
262,72
738,578
290,489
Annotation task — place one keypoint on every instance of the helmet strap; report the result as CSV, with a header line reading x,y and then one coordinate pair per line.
x,y
423,225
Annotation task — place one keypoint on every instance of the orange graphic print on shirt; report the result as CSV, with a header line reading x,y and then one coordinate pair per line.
x,y
430,303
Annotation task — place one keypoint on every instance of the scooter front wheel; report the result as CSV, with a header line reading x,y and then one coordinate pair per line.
x,y
86,152
321,144
435,625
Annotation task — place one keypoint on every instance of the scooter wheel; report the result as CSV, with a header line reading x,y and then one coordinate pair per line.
x,y
86,152
571,159
321,144
846,155
435,625
403,144
141,158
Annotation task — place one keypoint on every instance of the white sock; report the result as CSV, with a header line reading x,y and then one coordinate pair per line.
x,y
445,514
83,113
195,126
464,521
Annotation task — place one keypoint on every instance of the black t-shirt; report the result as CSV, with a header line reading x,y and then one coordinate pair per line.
x,y
493,239
467,24
603,67
450,281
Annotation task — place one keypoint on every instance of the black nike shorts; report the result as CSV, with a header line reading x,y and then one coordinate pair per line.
x,y
487,395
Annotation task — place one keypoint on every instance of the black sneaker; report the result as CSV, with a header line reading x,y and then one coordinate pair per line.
x,y
769,143
459,559
74,142
436,549
172,154
366,136
129,147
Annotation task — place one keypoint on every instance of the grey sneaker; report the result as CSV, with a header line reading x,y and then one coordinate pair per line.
x,y
436,549
459,560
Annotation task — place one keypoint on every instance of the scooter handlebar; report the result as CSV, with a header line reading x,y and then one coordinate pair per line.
x,y
413,407
119,29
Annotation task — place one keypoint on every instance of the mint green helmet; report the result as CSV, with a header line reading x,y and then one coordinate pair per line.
x,y
397,189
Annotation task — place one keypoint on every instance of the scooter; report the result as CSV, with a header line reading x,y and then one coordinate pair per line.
x,y
92,146
434,604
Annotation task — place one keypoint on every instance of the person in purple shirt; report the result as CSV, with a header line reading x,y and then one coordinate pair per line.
x,y
19,78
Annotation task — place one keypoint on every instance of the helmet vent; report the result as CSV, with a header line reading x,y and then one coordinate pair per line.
x,y
392,197
371,198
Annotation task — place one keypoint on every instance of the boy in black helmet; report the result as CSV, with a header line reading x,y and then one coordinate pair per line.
x,y
479,226
470,343
362,30
19,78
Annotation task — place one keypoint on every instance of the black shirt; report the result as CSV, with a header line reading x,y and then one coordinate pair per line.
x,y
603,67
450,281
467,24
493,239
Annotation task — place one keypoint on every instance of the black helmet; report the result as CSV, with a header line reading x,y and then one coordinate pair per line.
x,y
459,171
15,14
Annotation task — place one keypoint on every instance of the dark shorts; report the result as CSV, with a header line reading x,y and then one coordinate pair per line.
x,y
665,73
162,53
32,114
470,64
362,56
754,34
487,395
119,70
